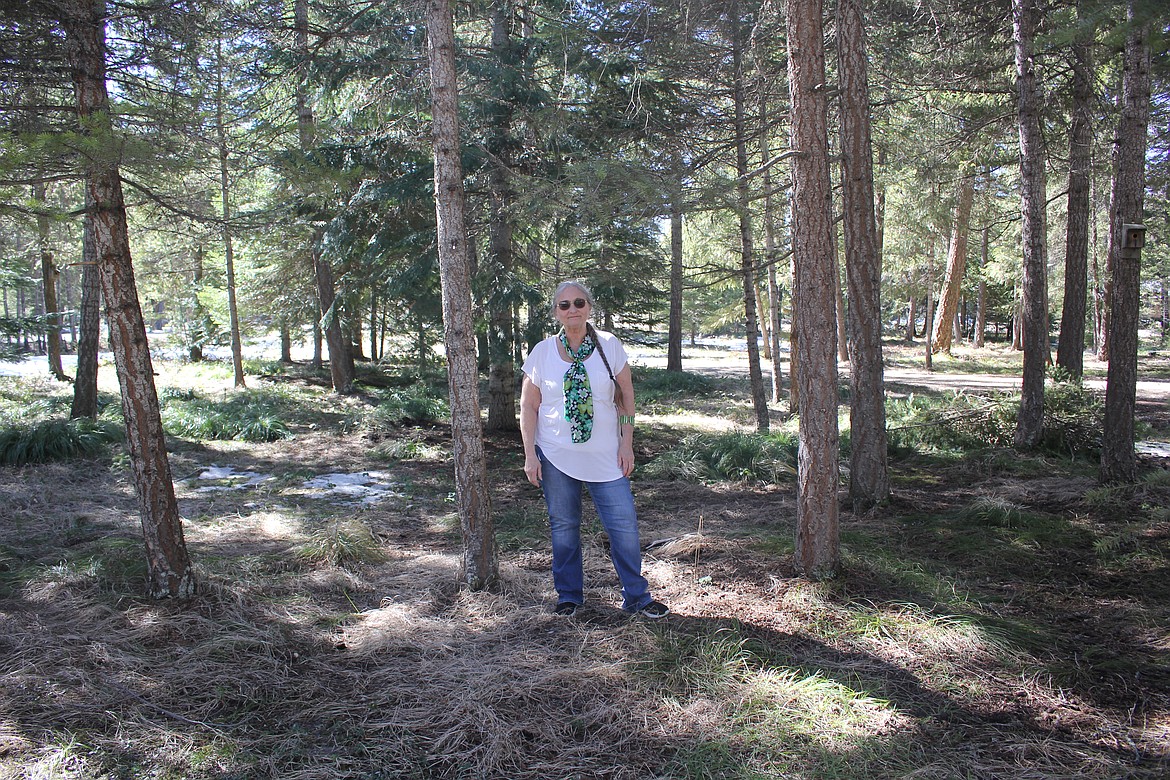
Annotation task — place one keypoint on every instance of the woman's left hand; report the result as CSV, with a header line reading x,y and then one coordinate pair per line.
x,y
626,457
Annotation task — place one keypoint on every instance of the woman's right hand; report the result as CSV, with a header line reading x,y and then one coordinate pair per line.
x,y
532,469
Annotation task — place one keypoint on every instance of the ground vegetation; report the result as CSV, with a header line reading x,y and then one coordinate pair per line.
x,y
1003,615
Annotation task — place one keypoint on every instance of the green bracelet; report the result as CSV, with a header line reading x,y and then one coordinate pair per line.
x,y
625,419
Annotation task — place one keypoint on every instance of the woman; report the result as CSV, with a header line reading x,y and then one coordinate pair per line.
x,y
575,433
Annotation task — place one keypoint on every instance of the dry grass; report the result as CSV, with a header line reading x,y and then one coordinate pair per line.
x,y
954,646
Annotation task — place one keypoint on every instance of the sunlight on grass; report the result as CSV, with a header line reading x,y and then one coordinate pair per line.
x,y
777,705
686,665
343,542
915,631
447,524
412,448
65,758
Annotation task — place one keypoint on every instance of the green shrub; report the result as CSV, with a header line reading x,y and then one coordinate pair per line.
x,y
659,383
965,422
417,404
253,415
734,455
1073,420
43,441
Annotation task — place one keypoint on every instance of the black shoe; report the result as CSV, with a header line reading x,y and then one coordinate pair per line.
x,y
654,610
566,609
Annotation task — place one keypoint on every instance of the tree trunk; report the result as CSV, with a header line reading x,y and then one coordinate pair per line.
x,y
775,302
1030,422
480,568
1070,352
839,300
928,318
743,206
317,360
770,254
943,333
1100,318
85,386
1118,462
226,205
198,315
1165,313
285,343
501,414
340,346
981,303
169,569
534,328
675,325
765,331
341,365
869,480
911,318
374,353
49,276
817,529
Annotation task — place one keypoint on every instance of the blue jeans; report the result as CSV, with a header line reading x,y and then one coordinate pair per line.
x,y
615,506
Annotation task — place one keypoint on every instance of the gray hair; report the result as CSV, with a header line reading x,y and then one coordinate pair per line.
x,y
566,285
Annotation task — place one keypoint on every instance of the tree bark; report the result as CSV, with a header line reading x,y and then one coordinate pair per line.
x,y
375,353
928,315
285,343
743,206
1070,352
85,385
675,325
817,529
869,481
943,333
1030,422
226,206
170,573
480,568
338,343
501,414
199,334
341,365
981,303
1118,461
770,254
49,276
842,311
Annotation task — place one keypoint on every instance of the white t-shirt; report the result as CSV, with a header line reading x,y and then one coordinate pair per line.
x,y
594,460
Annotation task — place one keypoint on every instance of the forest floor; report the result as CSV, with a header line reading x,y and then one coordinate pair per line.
x,y
1003,616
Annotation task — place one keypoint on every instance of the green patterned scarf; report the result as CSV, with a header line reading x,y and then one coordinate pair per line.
x,y
578,394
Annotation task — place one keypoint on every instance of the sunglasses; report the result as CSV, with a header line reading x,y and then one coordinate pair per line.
x,y
579,303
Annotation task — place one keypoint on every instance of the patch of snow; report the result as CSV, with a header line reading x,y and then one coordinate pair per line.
x,y
247,479
1156,449
362,487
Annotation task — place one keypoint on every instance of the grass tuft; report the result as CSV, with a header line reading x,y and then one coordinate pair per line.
x,y
993,511
687,665
342,543
416,404
734,455
250,415
45,441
